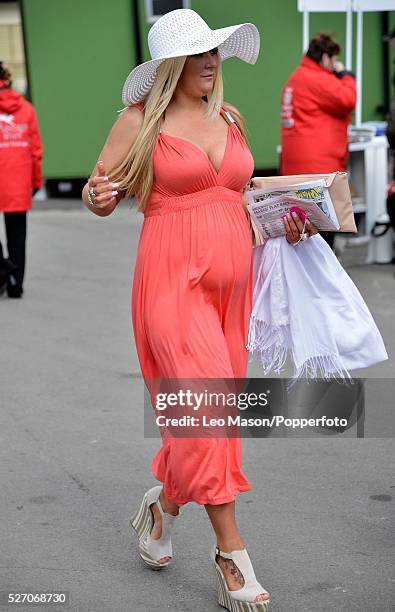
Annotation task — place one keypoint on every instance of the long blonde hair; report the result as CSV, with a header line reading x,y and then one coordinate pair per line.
x,y
135,173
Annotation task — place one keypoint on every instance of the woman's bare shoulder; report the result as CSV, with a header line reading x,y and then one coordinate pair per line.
x,y
131,117
121,137
236,114
126,128
231,108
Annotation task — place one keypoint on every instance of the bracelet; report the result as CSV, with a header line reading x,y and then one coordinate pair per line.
x,y
303,236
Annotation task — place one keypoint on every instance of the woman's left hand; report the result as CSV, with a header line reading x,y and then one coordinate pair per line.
x,y
244,195
294,227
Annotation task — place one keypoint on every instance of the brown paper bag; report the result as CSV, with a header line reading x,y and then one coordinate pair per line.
x,y
337,184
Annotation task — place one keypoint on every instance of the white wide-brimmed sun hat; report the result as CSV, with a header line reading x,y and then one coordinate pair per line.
x,y
184,32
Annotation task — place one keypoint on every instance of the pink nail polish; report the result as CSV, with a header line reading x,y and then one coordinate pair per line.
x,y
114,193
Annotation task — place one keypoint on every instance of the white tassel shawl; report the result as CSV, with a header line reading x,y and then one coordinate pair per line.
x,y
306,307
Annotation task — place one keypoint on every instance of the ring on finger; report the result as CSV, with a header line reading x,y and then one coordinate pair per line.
x,y
91,194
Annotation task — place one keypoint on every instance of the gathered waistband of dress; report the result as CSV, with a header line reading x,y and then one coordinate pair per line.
x,y
164,205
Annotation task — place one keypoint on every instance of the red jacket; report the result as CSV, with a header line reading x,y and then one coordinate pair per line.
x,y
315,114
20,152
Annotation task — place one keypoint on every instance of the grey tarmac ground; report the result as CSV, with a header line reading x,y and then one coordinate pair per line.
x,y
318,523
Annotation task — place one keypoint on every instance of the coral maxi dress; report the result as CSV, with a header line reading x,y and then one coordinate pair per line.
x,y
192,299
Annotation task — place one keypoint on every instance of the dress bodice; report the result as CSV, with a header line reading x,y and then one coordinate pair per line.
x,y
181,167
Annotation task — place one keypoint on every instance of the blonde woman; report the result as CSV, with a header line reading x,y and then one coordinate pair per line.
x,y
182,150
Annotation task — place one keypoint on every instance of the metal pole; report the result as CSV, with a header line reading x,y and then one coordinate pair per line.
x,y
385,106
28,91
305,31
358,112
349,38
136,32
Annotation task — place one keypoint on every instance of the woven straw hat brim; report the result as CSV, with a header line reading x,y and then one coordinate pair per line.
x,y
240,41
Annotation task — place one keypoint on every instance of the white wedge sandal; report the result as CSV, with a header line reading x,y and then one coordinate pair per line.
x,y
151,551
241,600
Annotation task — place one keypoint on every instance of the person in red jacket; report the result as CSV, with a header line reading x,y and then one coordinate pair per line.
x,y
317,102
20,177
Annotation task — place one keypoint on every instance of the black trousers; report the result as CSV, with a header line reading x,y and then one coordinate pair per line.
x,y
329,237
15,230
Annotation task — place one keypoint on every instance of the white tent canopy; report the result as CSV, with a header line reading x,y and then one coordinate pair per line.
x,y
341,6
323,6
373,5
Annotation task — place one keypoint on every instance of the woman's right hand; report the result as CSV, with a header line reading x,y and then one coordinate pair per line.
x,y
105,193
294,227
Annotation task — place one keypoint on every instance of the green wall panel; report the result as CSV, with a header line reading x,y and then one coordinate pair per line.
x,y
391,54
373,69
78,53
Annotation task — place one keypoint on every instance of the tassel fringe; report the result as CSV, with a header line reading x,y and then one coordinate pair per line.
x,y
322,366
273,345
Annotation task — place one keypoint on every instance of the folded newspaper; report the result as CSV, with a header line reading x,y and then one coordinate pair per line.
x,y
268,206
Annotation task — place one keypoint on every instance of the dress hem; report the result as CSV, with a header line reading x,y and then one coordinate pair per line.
x,y
216,502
